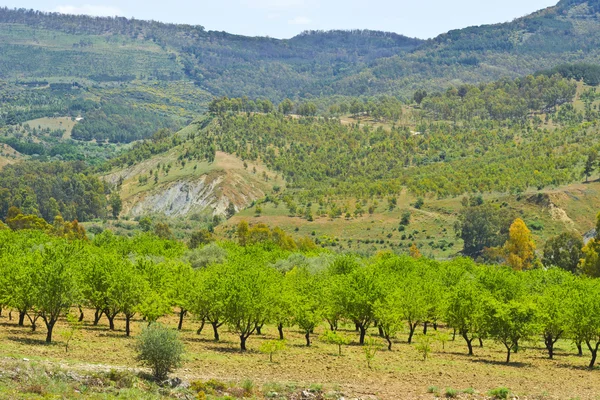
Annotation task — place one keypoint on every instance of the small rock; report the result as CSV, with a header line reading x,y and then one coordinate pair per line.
x,y
26,359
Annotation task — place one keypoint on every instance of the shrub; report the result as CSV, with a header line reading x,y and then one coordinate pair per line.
x,y
370,348
451,393
424,346
271,347
333,337
159,348
499,393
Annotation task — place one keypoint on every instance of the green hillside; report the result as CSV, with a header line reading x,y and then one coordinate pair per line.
x,y
316,63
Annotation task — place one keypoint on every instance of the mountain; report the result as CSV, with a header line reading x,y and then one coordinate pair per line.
x,y
315,63
37,44
566,33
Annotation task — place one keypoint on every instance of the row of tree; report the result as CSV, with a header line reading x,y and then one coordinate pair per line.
x,y
45,277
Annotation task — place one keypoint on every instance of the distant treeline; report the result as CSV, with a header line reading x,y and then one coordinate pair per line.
x,y
588,73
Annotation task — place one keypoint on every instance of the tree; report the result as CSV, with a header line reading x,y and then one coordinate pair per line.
x,y
519,247
306,305
510,323
336,338
127,288
389,315
551,290
243,233
200,237
55,283
413,302
145,224
230,211
286,106
116,205
210,294
564,251
159,348
272,347
163,231
590,263
357,293
481,226
584,316
419,96
249,300
465,310
590,165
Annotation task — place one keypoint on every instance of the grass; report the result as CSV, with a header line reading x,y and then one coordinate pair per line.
x,y
63,123
570,207
316,368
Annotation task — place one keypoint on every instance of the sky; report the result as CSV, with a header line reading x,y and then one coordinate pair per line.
x,y
286,18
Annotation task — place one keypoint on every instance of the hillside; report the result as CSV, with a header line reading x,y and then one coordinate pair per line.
x,y
192,187
39,45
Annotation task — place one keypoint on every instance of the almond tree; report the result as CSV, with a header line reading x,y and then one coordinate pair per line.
x,y
465,310
55,282
584,315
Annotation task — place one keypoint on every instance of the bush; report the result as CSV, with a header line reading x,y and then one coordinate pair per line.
x,y
499,393
451,393
159,348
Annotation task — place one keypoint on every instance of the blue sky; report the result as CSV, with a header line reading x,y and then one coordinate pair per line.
x,y
286,18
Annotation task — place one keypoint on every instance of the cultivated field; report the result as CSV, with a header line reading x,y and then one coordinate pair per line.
x,y
397,374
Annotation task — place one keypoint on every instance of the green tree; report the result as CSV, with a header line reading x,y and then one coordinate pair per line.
x,y
563,251
482,226
511,323
249,301
584,316
116,204
306,304
55,283
465,310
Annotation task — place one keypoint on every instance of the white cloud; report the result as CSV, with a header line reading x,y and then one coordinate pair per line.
x,y
275,4
299,21
88,9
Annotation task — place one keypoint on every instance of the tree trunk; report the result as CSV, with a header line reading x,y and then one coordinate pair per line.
x,y
182,313
307,336
215,327
389,340
579,349
549,341
22,317
280,329
259,329
50,327
411,332
480,342
243,342
97,316
594,351
199,331
81,316
111,321
363,332
127,329
435,326
469,343
425,328
454,334
381,333
508,349
33,322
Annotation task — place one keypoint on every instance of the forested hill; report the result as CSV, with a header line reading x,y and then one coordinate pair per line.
x,y
222,63
46,45
568,32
